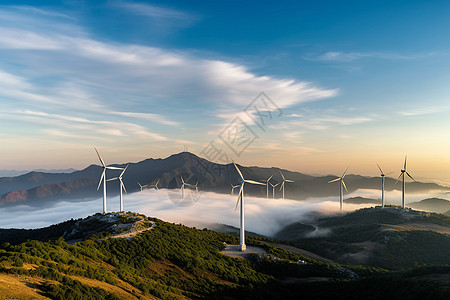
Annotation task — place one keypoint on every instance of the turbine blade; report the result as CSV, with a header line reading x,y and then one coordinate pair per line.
x,y
182,179
404,166
114,168
121,174
101,178
334,180
343,183
287,180
380,169
254,182
410,176
139,184
345,172
123,186
111,179
99,157
237,169
398,178
282,175
238,199
269,178
282,186
276,184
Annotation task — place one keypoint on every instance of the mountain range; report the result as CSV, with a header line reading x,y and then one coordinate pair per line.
x,y
43,188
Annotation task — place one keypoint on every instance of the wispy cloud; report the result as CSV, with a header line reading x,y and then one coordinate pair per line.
x,y
342,57
423,111
120,129
146,116
153,11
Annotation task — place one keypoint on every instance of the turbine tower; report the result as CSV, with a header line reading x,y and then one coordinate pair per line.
x,y
273,189
282,183
267,185
341,190
402,174
121,187
103,177
233,187
241,198
382,185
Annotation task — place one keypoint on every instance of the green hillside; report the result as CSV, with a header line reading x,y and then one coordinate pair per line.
x,y
170,261
390,238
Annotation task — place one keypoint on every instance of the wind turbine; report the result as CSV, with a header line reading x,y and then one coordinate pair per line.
x,y
341,184
241,198
182,187
233,187
154,185
142,186
121,186
196,186
282,183
267,185
103,177
402,174
382,185
273,189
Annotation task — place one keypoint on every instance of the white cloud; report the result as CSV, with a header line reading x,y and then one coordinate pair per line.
x,y
336,56
264,216
152,71
155,11
102,127
146,116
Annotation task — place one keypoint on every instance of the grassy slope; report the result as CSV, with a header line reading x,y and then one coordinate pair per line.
x,y
176,262
389,238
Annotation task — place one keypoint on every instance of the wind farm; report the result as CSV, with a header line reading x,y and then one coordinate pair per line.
x,y
235,150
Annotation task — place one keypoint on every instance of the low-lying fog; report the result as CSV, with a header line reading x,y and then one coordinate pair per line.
x,y
263,216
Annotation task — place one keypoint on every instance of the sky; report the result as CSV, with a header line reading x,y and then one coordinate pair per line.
x,y
309,86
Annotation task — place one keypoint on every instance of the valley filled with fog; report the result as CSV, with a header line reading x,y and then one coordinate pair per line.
x,y
200,209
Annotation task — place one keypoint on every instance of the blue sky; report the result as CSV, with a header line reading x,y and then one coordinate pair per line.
x,y
358,82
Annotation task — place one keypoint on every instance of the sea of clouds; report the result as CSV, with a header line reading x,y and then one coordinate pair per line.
x,y
263,216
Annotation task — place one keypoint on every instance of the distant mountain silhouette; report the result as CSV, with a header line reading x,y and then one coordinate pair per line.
x,y
39,188
436,205
362,200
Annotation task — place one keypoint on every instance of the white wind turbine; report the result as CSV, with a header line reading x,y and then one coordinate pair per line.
x,y
182,187
233,187
273,189
341,190
196,186
267,185
121,186
142,186
402,174
241,198
154,185
382,184
103,177
282,183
